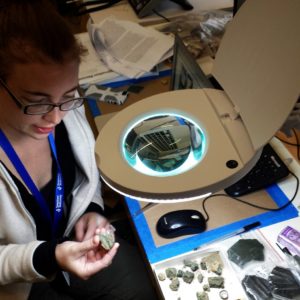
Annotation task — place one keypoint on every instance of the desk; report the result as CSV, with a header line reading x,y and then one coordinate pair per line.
x,y
226,216
123,11
173,252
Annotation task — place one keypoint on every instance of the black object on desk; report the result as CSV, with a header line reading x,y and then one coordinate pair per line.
x,y
268,170
79,8
145,7
180,222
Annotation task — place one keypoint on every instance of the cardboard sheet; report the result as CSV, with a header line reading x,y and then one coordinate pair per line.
x,y
221,210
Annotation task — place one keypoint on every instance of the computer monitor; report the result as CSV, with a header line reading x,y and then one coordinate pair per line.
x,y
186,73
236,5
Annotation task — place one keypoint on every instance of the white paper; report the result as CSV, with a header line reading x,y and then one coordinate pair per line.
x,y
92,68
128,48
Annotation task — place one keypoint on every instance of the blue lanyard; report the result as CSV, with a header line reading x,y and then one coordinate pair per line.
x,y
59,189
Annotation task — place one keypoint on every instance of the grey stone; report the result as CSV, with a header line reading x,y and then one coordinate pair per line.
x,y
216,282
188,276
107,239
200,277
161,276
180,273
202,296
171,273
174,286
191,264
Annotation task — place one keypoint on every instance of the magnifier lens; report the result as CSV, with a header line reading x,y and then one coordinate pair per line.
x,y
164,145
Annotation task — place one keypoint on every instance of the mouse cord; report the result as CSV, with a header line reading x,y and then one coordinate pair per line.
x,y
251,204
160,15
297,144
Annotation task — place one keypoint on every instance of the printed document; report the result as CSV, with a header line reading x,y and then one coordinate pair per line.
x,y
92,69
128,48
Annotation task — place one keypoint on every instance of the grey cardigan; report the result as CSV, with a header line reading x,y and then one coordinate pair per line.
x,y
17,228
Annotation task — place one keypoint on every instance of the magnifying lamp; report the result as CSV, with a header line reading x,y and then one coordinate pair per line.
x,y
185,144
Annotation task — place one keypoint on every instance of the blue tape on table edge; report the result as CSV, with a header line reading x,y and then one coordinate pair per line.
x,y
93,106
157,254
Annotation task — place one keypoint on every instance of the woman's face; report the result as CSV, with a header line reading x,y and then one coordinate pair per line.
x,y
34,83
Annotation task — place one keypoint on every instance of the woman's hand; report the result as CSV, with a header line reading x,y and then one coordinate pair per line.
x,y
73,257
86,226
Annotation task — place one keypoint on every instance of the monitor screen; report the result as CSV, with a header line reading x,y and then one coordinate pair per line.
x,y
186,73
236,5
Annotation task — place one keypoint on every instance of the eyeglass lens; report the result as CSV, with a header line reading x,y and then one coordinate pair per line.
x,y
33,109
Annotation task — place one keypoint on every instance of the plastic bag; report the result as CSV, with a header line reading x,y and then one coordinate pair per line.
x,y
201,32
261,271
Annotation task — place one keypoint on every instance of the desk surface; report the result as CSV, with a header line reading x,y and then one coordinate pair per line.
x,y
124,11
164,252
226,216
172,252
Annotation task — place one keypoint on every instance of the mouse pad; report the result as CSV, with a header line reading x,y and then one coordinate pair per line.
x,y
225,217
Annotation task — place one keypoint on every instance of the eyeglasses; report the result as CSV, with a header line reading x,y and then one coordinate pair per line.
x,y
41,109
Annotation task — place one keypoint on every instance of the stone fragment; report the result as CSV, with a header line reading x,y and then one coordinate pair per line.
x,y
203,265
206,287
161,276
191,264
200,277
188,276
246,250
107,239
213,263
171,273
216,282
174,286
202,296
180,273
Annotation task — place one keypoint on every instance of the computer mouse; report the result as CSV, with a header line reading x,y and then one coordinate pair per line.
x,y
180,222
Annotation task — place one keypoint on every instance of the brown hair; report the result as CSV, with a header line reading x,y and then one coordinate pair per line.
x,y
33,31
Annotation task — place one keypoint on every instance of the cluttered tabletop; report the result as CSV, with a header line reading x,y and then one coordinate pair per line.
x,y
228,261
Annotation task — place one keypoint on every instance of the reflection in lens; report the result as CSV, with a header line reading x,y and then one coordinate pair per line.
x,y
164,145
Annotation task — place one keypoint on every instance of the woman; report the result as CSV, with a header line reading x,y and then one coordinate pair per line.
x,y
50,202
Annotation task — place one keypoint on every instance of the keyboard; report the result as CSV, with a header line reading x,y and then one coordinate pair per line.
x,y
268,170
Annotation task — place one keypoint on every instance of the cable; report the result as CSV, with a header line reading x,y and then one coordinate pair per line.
x,y
297,141
160,15
286,142
251,204
297,144
81,9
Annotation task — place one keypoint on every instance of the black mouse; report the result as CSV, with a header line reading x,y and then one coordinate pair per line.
x,y
180,222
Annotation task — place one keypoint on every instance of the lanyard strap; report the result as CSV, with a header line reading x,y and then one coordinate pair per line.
x,y
59,189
